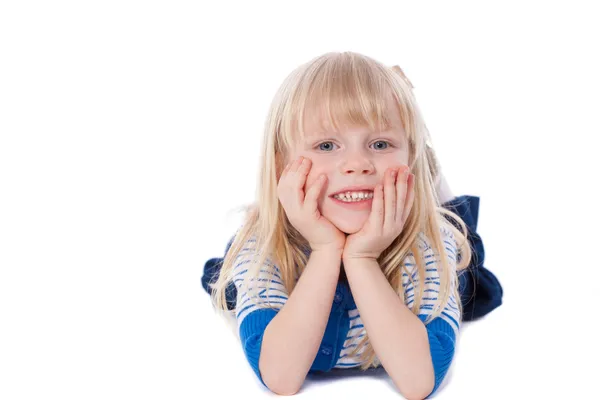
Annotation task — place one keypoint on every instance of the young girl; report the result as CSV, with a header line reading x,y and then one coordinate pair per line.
x,y
347,259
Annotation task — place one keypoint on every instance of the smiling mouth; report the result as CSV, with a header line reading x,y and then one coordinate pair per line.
x,y
353,197
363,204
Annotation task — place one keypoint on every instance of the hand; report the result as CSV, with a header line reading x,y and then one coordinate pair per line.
x,y
392,202
302,210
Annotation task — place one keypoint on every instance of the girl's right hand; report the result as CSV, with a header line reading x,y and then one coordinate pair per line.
x,y
301,209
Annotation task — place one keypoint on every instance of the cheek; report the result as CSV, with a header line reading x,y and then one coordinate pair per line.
x,y
318,167
312,177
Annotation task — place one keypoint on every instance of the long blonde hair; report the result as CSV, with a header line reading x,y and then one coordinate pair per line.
x,y
352,88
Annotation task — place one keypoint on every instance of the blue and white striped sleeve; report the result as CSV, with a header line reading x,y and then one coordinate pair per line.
x,y
443,330
252,320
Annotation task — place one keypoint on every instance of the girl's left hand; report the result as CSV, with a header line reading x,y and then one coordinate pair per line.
x,y
392,202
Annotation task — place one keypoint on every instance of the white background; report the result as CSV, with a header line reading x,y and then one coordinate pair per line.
x,y
130,130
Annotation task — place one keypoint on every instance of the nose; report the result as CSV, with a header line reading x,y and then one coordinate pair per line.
x,y
357,163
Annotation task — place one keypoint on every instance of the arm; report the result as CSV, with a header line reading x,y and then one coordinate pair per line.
x,y
293,337
281,343
386,320
398,337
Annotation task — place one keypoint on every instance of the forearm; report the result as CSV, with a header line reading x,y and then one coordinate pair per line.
x,y
398,337
292,338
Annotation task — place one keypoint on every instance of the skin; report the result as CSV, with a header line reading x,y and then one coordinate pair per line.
x,y
353,156
385,316
321,166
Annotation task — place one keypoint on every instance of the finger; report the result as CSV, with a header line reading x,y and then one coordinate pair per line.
x,y
284,172
410,198
296,164
304,167
377,210
390,199
312,195
299,170
287,182
301,175
401,190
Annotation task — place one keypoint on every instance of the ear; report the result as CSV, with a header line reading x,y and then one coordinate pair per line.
x,y
399,71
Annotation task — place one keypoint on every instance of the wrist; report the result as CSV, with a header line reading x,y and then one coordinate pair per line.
x,y
329,250
329,256
360,256
333,248
358,260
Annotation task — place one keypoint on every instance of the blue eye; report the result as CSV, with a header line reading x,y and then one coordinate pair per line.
x,y
321,144
382,141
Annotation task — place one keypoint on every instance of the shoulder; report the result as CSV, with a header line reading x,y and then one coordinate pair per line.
x,y
446,235
248,255
424,245
430,261
260,287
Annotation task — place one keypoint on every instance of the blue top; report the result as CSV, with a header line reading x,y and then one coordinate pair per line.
x,y
344,327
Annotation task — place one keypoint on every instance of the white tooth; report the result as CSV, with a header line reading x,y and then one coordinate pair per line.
x,y
350,197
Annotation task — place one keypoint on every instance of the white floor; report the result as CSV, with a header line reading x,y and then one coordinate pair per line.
x,y
129,129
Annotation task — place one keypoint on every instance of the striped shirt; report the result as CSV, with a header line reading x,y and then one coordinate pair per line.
x,y
345,328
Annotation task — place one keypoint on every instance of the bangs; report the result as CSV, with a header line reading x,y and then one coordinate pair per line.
x,y
343,90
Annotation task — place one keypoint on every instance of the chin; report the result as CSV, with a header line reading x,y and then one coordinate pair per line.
x,y
346,225
350,230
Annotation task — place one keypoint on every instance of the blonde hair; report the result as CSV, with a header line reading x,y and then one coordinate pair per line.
x,y
350,88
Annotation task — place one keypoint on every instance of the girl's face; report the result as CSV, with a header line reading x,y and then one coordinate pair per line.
x,y
354,156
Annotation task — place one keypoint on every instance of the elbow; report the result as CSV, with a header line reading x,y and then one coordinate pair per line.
x,y
284,392
281,386
280,383
419,389
280,376
407,397
416,393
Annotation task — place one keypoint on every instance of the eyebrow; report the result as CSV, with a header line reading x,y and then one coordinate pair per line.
x,y
325,134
